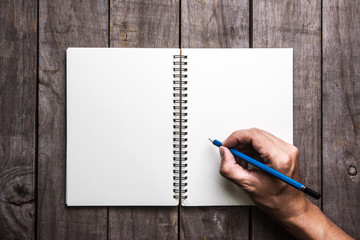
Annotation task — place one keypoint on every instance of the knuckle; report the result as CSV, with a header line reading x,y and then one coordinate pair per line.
x,y
285,166
287,162
256,133
224,171
294,152
248,187
255,130
234,133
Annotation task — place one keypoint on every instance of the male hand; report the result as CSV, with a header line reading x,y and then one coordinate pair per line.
x,y
269,193
281,201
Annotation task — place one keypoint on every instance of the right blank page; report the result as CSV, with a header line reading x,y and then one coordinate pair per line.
x,y
231,89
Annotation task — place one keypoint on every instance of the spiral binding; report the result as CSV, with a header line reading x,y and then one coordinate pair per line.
x,y
180,125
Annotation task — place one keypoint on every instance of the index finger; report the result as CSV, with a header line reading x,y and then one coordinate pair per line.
x,y
256,138
244,136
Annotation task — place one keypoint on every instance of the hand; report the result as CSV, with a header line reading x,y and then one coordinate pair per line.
x,y
269,193
281,201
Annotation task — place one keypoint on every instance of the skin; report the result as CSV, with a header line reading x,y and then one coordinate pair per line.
x,y
285,204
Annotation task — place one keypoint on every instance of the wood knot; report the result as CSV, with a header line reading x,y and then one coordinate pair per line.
x,y
352,170
22,190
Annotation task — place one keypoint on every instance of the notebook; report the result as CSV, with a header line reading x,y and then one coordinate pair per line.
x,y
138,121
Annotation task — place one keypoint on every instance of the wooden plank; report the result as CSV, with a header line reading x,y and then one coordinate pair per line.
x,y
18,21
63,24
297,25
214,223
143,223
144,23
215,24
341,114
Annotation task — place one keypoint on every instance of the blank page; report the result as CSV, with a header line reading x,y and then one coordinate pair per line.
x,y
231,89
119,127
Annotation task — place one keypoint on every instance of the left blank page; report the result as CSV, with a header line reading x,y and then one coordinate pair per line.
x,y
119,127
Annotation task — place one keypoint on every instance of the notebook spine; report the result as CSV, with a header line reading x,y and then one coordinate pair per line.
x,y
180,125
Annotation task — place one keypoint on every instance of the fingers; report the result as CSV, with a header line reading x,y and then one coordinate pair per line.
x,y
240,137
264,189
272,150
230,169
253,138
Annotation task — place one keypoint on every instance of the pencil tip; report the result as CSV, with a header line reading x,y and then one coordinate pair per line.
x,y
210,140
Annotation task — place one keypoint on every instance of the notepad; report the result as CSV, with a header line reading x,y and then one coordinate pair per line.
x,y
138,121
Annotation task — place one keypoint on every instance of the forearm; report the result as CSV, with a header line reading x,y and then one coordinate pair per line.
x,y
313,224
286,205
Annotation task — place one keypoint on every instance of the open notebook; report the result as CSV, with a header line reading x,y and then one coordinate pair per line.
x,y
125,109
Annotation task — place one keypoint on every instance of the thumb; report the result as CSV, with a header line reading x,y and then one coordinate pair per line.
x,y
230,169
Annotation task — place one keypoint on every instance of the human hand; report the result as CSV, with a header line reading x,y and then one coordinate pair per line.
x,y
273,196
281,201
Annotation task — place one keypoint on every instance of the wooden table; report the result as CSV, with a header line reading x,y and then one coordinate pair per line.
x,y
34,34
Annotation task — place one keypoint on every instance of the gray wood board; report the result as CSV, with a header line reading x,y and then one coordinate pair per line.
x,y
63,24
215,24
18,41
150,24
341,114
297,25
334,103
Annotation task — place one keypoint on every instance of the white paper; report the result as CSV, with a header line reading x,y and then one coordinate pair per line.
x,y
120,111
119,127
231,89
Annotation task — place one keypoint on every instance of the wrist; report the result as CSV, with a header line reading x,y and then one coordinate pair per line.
x,y
307,210
286,207
300,209
309,224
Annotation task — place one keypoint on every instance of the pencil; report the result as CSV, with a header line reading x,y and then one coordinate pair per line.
x,y
271,171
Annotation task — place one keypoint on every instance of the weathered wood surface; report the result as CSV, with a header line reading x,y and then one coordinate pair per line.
x,y
37,211
341,114
144,23
62,24
297,25
18,37
216,24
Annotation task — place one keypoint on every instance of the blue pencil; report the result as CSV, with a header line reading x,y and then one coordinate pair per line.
x,y
271,171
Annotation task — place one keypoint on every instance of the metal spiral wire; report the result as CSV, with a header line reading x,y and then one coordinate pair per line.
x,y
180,126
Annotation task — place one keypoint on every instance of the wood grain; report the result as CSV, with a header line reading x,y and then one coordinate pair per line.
x,y
215,24
63,24
18,42
341,114
143,223
214,223
144,23
297,25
